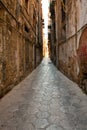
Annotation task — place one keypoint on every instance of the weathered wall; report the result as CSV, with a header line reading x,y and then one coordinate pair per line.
x,y
68,47
18,23
52,32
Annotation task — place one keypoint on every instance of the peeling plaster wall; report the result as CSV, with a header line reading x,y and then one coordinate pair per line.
x,y
76,20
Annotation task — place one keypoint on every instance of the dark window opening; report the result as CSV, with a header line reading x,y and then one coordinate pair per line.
x,y
26,29
26,3
85,75
49,26
63,10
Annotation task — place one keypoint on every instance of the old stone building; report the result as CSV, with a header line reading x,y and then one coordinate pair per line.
x,y
20,40
71,37
52,32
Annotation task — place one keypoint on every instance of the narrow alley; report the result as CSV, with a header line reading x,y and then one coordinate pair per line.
x,y
45,100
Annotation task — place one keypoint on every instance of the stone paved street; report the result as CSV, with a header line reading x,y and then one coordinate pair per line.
x,y
45,100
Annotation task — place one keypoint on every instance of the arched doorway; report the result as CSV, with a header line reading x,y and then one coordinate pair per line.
x,y
82,57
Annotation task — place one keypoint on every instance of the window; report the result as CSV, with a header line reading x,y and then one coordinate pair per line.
x,y
26,3
63,10
26,29
63,15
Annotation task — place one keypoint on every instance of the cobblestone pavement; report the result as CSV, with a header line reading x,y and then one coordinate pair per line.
x,y
45,100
